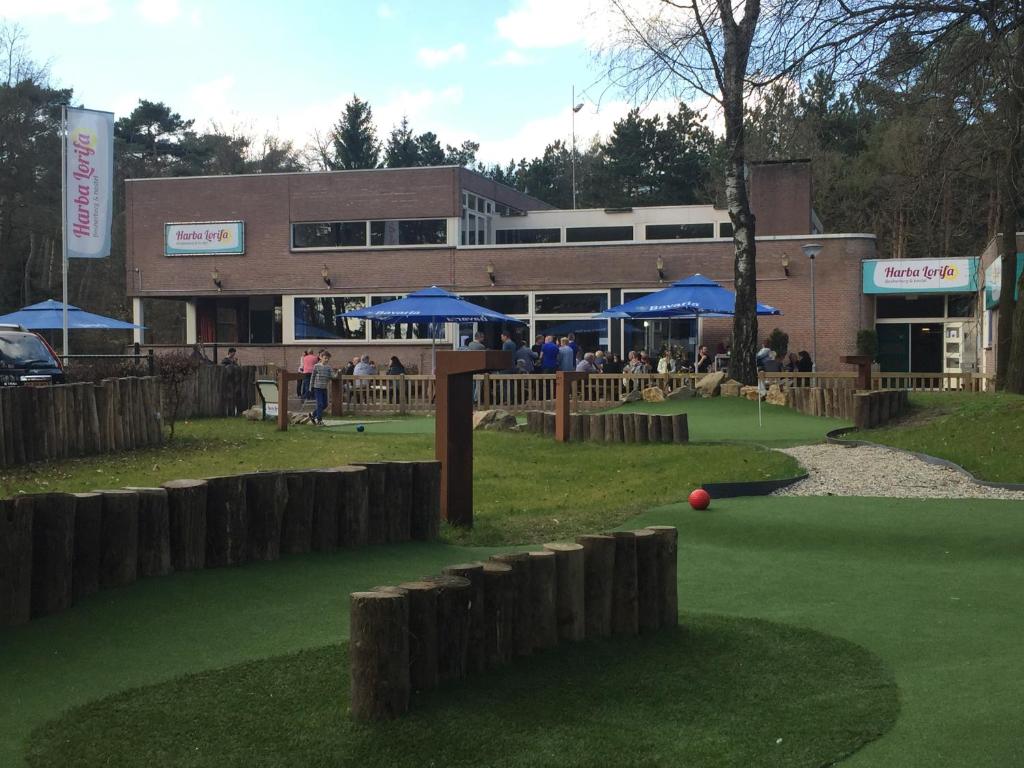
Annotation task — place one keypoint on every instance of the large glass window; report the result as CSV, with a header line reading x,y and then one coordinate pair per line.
x,y
527,236
597,234
725,229
352,234
317,318
571,303
397,331
507,304
679,231
921,305
591,335
961,305
329,234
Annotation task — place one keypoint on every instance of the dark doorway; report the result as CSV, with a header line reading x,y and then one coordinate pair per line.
x,y
926,347
893,347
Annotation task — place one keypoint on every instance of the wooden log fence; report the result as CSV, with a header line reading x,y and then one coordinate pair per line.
x,y
59,548
866,409
617,427
410,637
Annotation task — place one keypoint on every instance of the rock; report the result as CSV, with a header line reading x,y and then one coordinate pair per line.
x,y
681,393
632,396
495,420
710,385
653,395
748,392
253,414
731,388
775,395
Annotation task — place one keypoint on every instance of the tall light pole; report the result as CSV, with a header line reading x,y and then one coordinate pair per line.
x,y
575,108
811,250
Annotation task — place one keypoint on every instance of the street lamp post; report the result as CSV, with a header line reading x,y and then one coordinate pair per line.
x,y
811,250
575,108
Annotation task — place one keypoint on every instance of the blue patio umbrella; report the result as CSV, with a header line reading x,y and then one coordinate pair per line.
x,y
48,315
695,296
431,305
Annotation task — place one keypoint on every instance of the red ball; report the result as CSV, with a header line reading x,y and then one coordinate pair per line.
x,y
700,499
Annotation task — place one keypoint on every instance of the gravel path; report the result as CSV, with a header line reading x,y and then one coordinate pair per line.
x,y
836,470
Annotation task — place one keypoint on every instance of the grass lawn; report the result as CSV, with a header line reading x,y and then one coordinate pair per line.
x,y
982,432
527,488
930,587
734,419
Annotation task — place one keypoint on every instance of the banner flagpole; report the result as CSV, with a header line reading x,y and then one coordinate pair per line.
x,y
64,224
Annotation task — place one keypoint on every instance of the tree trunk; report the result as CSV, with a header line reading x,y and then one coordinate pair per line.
x,y
598,574
423,630
476,654
569,567
1007,286
379,655
15,562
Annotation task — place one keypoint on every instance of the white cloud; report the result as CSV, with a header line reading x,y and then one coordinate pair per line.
x,y
546,24
511,58
72,11
195,17
158,11
385,11
211,101
435,57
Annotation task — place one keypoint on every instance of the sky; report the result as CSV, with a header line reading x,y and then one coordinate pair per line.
x,y
500,72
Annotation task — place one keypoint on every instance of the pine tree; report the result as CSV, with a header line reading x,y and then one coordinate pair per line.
x,y
401,150
429,149
355,138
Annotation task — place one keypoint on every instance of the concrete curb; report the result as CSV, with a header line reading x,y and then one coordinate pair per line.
x,y
835,437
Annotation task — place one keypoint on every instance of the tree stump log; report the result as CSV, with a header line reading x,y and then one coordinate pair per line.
x,y
400,493
532,421
379,655
598,573
648,597
628,428
325,534
266,496
665,428
426,500
353,509
297,524
578,427
499,610
680,428
186,507
543,600
154,533
476,653
653,428
378,507
640,427
520,631
85,578
53,550
667,562
596,429
119,542
625,618
227,521
613,428
454,595
15,561
549,424
570,582
423,617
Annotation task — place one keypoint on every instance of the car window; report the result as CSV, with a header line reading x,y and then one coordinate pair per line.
x,y
21,349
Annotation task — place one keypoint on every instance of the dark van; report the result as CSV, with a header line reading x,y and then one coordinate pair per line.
x,y
26,359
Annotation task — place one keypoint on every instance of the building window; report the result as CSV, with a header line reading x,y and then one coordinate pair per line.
x,y
597,234
317,318
397,331
329,234
987,331
352,234
477,214
920,305
527,236
679,231
590,335
571,303
961,305
409,232
725,229
507,304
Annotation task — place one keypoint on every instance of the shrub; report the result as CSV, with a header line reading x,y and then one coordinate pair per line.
x,y
778,342
174,369
867,342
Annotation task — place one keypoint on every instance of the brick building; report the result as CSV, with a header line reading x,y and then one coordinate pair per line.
x,y
265,262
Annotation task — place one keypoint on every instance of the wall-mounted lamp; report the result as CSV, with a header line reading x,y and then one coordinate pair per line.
x,y
277,314
215,276
660,264
490,272
785,264
327,278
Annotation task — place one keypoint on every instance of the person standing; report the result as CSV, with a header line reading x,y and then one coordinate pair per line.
x,y
477,344
575,348
230,358
320,380
665,363
549,355
566,356
508,345
538,346
703,364
804,362
309,361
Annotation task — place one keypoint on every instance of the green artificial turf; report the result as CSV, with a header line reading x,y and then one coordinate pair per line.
x,y
982,432
932,587
734,419
724,692
527,488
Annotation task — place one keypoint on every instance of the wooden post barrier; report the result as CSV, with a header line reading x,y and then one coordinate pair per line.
x,y
625,619
613,429
520,631
379,653
569,578
400,496
454,613
648,599
564,382
549,424
640,428
324,534
379,510
353,506
596,429
598,568
266,495
653,428
297,524
665,428
119,538
861,411
476,652
186,505
499,608
15,559
426,501
578,424
423,633
543,600
227,521
154,533
680,428
628,428
53,532
85,572
667,564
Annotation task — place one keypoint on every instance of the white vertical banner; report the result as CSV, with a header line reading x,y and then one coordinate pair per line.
x,y
88,183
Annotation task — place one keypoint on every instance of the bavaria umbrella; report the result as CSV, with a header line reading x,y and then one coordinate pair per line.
x,y
431,305
696,296
48,315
